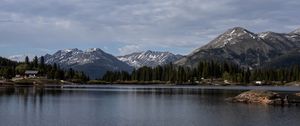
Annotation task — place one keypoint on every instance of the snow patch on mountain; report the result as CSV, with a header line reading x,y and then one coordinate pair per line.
x,y
263,35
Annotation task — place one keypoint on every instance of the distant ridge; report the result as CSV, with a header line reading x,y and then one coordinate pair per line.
x,y
149,58
94,62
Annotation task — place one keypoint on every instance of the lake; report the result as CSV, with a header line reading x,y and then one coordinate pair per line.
x,y
139,106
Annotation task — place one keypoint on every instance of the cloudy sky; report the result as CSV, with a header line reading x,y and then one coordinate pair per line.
x,y
37,27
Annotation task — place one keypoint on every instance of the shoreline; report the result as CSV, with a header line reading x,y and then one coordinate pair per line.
x,y
162,86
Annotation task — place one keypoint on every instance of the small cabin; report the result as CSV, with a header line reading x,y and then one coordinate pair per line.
x,y
31,73
258,82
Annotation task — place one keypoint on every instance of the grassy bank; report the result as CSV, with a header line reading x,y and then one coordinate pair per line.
x,y
36,81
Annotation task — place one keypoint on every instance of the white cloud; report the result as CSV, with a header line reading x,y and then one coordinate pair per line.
x,y
129,49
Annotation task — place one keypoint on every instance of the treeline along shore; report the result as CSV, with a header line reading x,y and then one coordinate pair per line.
x,y
205,73
37,72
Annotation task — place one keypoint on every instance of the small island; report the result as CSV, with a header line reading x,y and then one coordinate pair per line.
x,y
266,98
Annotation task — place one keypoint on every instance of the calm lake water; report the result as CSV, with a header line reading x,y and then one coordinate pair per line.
x,y
137,106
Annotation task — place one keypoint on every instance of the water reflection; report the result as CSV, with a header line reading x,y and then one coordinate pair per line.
x,y
28,91
25,106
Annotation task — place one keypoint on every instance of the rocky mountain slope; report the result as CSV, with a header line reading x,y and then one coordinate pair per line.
x,y
149,58
94,62
246,48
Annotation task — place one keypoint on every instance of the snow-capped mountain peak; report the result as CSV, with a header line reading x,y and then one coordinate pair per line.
x,y
93,62
297,31
238,31
18,58
148,58
74,56
231,37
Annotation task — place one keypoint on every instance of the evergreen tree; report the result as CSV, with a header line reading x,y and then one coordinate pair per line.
x,y
42,62
27,60
35,62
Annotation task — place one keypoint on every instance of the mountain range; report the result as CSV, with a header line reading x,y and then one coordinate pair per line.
x,y
149,58
249,49
95,62
237,45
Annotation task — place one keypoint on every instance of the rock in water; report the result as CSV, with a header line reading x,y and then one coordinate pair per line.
x,y
258,96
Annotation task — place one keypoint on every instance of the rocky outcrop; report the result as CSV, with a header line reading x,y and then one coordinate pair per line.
x,y
259,97
297,94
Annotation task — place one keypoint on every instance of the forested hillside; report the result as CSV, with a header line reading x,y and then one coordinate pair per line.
x,y
9,69
207,70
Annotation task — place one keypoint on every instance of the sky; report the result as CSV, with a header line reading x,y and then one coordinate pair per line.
x,y
37,27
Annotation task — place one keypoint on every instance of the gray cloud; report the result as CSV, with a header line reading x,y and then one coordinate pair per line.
x,y
129,49
174,25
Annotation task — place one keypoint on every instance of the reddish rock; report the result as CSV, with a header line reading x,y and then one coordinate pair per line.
x,y
259,97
